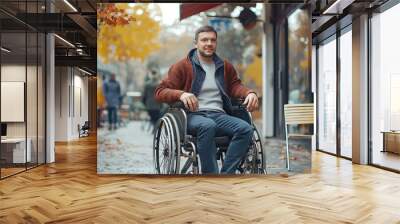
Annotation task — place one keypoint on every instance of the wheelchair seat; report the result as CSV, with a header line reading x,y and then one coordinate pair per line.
x,y
221,142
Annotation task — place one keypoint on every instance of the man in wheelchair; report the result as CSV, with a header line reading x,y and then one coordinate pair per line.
x,y
206,85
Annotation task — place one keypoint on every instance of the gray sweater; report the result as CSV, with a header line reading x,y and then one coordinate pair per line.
x,y
209,97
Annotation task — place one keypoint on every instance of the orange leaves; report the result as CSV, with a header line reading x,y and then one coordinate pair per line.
x,y
127,31
111,15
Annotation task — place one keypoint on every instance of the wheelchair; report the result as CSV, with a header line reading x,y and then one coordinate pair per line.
x,y
174,150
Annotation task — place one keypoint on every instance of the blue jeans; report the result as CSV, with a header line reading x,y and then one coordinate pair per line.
x,y
208,124
112,115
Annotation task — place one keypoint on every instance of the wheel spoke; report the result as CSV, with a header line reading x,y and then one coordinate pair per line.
x,y
253,163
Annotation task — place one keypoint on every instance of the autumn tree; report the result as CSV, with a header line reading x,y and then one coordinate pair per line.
x,y
127,31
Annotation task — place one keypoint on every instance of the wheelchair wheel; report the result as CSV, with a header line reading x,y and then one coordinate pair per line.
x,y
259,163
175,163
164,147
254,162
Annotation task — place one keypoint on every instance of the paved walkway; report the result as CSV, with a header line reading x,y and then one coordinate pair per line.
x,y
128,150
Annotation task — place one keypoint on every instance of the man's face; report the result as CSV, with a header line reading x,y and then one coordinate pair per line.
x,y
206,43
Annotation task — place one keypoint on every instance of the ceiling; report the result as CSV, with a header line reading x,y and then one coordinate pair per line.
x,y
72,20
330,15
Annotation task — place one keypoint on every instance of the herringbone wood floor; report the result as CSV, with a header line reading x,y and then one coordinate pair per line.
x,y
70,191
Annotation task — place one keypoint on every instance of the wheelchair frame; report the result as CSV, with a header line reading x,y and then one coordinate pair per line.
x,y
171,142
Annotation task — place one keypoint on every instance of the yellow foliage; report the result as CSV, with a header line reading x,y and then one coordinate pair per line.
x,y
135,40
305,62
253,74
100,95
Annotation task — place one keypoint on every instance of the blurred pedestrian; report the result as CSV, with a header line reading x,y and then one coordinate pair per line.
x,y
153,107
100,101
112,93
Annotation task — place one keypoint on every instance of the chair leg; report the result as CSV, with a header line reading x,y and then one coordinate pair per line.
x,y
287,149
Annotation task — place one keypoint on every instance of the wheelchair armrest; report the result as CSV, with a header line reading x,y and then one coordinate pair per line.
x,y
177,104
237,104
239,110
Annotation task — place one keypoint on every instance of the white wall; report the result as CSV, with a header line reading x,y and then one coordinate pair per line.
x,y
61,103
360,90
314,91
71,94
13,73
268,76
81,100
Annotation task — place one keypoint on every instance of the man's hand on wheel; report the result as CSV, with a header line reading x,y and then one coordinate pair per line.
x,y
251,101
190,101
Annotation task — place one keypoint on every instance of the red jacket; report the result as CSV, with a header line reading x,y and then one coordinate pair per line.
x,y
180,78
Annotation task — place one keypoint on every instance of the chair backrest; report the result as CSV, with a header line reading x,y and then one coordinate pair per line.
x,y
299,113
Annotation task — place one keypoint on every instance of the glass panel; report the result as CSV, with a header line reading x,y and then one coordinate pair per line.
x,y
346,94
13,72
299,57
16,9
31,84
31,96
41,99
385,89
18,6
22,77
327,97
299,78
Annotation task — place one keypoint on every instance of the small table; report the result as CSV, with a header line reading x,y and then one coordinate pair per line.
x,y
17,150
391,141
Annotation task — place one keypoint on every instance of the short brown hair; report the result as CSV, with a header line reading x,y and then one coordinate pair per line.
x,y
204,29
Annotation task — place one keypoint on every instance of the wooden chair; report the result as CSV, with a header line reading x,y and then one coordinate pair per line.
x,y
297,114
